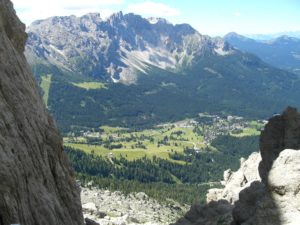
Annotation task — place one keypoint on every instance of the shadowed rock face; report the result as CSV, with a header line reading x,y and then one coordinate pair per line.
x,y
281,132
36,183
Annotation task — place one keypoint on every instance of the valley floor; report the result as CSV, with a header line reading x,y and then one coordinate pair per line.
x,y
163,140
173,160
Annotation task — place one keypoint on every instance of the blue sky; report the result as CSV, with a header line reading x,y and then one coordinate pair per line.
x,y
213,17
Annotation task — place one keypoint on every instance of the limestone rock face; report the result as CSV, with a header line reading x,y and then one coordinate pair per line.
x,y
234,182
36,182
278,203
284,184
281,132
275,200
220,202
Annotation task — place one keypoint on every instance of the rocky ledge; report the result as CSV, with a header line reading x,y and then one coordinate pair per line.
x,y
114,208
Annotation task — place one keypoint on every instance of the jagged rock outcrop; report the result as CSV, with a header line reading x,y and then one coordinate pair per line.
x,y
278,203
282,132
220,201
234,182
273,198
36,182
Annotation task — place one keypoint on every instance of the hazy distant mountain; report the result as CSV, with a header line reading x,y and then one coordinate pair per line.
x,y
148,71
265,37
282,52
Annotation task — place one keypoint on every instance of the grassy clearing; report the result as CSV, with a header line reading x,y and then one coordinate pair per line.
x,y
45,85
129,154
254,129
159,142
249,131
90,85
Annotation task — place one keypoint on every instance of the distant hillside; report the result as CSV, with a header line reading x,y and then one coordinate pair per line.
x,y
264,37
282,52
131,71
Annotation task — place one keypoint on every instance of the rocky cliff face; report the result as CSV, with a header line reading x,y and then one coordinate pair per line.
x,y
36,182
265,190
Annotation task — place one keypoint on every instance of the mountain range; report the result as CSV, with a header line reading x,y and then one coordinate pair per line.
x,y
119,48
265,37
282,52
131,71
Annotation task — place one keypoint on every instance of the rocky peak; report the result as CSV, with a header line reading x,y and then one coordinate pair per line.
x,y
116,16
36,182
233,35
156,20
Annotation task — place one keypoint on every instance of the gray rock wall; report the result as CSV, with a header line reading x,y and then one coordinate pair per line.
x,y
36,183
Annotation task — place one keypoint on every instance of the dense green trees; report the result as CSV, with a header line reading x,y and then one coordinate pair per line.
x,y
249,93
183,193
156,176
200,167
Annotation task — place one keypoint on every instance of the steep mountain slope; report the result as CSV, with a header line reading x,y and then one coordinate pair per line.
x,y
282,52
36,182
147,71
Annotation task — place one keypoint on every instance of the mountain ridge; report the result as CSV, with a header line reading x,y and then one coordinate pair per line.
x,y
282,52
127,43
163,72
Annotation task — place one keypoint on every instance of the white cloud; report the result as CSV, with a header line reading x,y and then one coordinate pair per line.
x,y
237,14
153,9
31,10
65,3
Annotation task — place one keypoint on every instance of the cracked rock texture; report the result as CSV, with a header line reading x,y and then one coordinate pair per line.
x,y
36,182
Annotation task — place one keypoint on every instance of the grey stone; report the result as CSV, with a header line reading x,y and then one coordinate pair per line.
x,y
37,185
281,132
90,222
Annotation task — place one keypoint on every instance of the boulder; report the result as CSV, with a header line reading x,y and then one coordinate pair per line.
x,y
281,132
90,222
234,182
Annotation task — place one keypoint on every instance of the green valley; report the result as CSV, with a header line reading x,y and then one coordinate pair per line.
x,y
187,154
161,141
